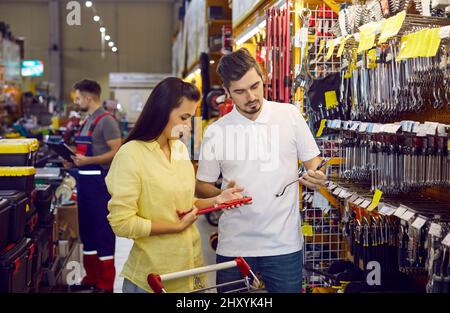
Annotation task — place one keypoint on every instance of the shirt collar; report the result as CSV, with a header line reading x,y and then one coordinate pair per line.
x,y
97,112
153,144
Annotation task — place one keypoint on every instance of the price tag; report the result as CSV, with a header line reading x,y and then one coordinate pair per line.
x,y
446,240
441,130
307,230
435,230
407,215
431,128
337,191
330,46
369,128
375,200
358,201
365,204
348,195
400,211
415,127
321,127
353,198
376,128
342,193
331,186
421,130
387,210
303,35
418,223
355,126
393,129
363,127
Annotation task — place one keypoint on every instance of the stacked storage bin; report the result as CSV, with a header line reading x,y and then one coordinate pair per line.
x,y
26,244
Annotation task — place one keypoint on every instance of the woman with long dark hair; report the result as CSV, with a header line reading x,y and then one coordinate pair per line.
x,y
152,179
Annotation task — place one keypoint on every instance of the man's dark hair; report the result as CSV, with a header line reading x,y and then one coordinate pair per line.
x,y
234,66
89,86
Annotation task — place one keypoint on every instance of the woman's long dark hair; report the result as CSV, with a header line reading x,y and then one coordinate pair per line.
x,y
165,97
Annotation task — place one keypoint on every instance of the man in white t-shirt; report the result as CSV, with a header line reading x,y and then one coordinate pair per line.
x,y
258,146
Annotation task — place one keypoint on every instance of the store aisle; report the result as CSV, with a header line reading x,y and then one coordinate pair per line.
x,y
123,247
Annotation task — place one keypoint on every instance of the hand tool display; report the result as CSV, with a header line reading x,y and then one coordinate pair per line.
x,y
396,160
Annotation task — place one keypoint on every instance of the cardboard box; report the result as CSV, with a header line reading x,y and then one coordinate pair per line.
x,y
68,222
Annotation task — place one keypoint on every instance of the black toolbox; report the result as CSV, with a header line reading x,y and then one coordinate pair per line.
x,y
16,267
18,213
17,178
18,152
43,202
5,211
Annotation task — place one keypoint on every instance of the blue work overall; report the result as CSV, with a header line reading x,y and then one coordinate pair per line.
x,y
95,231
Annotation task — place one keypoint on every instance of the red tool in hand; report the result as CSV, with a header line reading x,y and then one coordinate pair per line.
x,y
221,206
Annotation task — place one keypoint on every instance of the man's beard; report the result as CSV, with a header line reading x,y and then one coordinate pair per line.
x,y
251,110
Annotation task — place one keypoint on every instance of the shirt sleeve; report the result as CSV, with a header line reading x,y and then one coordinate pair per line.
x,y
124,186
110,128
306,144
208,165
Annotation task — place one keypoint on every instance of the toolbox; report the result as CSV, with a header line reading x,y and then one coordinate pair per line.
x,y
18,152
49,251
18,213
17,178
5,211
42,202
15,267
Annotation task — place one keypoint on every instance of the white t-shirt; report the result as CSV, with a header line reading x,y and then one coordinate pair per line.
x,y
261,156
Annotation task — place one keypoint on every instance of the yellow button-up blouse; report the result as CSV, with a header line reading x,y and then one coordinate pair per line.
x,y
145,186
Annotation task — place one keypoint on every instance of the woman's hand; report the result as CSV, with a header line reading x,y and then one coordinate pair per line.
x,y
188,219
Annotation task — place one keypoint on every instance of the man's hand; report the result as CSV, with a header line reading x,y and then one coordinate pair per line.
x,y
67,165
81,160
230,194
313,179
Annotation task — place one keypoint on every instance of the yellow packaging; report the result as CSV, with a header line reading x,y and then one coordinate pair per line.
x,y
18,146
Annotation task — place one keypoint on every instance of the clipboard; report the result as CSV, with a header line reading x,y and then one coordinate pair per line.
x,y
63,150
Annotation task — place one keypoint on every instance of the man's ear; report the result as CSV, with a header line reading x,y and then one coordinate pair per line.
x,y
227,91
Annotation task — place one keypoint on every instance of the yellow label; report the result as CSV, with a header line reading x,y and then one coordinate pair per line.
x,y
372,58
330,50
375,200
331,101
333,5
27,208
367,34
321,46
391,26
307,230
342,45
321,128
424,43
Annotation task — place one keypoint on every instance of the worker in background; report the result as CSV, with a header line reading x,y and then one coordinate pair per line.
x,y
258,146
151,180
98,140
